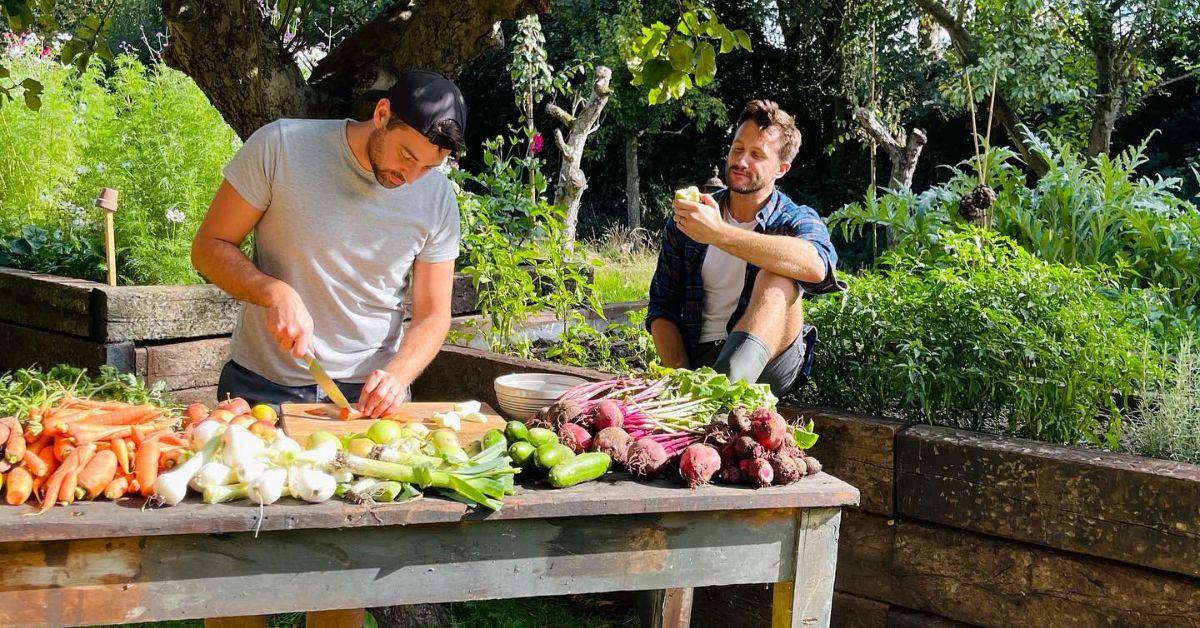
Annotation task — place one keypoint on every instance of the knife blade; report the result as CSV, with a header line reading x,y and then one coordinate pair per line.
x,y
326,383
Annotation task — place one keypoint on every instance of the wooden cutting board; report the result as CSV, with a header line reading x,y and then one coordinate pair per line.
x,y
302,419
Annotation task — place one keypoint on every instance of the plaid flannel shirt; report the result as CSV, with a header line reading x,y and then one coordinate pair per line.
x,y
677,290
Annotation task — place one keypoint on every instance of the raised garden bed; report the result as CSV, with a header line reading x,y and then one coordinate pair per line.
x,y
962,528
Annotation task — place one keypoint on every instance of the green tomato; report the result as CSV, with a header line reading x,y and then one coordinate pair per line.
x,y
492,437
384,431
540,436
515,431
521,453
317,438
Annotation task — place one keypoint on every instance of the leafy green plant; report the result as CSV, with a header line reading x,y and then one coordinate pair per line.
x,y
1167,424
29,388
69,253
670,60
618,347
981,334
148,132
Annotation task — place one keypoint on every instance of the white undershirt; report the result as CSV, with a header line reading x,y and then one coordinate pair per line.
x,y
723,276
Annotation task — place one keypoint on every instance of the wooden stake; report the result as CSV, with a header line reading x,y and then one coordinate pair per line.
x,y
107,200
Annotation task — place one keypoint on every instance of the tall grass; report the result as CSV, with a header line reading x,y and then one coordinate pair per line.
x,y
1168,424
625,263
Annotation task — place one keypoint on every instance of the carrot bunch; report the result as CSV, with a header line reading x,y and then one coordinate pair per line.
x,y
85,449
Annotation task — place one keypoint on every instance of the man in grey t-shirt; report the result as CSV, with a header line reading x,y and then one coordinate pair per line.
x,y
341,212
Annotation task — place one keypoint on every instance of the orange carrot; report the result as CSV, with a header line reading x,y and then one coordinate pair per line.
x,y
37,467
20,485
63,448
169,458
126,416
66,492
14,449
122,452
174,440
41,442
143,433
54,484
98,473
147,466
117,488
5,428
84,434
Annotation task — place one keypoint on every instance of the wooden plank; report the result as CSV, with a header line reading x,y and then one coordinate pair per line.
x,y
806,598
1127,508
903,618
178,577
300,420
163,312
186,364
463,373
858,448
616,494
206,395
46,302
666,608
21,347
852,611
743,606
987,581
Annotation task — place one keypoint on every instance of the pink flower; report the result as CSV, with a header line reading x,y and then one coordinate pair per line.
x,y
536,144
46,52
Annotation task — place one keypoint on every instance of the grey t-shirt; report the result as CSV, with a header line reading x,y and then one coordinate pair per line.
x,y
341,240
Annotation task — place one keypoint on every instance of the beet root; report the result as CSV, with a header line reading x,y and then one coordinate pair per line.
x,y
787,469
746,448
758,471
613,441
608,414
814,465
646,458
698,464
739,421
575,436
540,419
563,412
729,474
769,429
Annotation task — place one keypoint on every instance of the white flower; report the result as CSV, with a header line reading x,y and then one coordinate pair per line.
x,y
101,167
78,223
58,234
82,107
175,215
81,170
126,165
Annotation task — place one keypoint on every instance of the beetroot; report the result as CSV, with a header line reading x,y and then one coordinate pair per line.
x,y
646,458
539,420
698,464
563,412
729,474
739,421
575,436
729,454
814,466
746,448
758,471
613,441
786,468
768,428
608,414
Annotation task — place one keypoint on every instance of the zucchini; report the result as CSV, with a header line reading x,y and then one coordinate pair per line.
x,y
550,455
540,436
582,468
515,431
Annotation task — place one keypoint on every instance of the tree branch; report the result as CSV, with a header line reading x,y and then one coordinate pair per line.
x,y
559,113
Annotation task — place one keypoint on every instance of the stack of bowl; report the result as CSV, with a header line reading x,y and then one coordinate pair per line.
x,y
521,395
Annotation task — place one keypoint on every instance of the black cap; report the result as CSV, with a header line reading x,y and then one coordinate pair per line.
x,y
423,99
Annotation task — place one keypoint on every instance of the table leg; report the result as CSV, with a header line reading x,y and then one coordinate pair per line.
x,y
340,618
666,608
805,600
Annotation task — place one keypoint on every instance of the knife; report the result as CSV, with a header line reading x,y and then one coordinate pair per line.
x,y
327,384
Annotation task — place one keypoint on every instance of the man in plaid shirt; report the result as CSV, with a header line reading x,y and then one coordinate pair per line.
x,y
735,266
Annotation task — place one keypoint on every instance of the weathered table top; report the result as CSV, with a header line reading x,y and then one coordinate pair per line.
x,y
617,495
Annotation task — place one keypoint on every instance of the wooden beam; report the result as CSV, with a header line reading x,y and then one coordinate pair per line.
x,y
806,599
1128,508
163,312
25,346
46,302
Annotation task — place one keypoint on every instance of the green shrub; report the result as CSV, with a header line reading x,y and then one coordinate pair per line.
x,y
1081,213
980,334
1167,424
148,132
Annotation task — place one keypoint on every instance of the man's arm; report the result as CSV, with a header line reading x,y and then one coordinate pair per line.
x,y
432,287
217,255
666,300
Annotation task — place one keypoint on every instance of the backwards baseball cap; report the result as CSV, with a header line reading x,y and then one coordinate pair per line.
x,y
425,101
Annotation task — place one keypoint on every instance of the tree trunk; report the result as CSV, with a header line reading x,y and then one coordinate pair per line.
x,y
252,79
903,149
571,180
633,182
1108,83
970,55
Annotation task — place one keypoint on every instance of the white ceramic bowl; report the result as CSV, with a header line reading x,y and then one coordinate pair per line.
x,y
535,386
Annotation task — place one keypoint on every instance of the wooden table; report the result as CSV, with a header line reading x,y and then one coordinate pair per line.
x,y
106,562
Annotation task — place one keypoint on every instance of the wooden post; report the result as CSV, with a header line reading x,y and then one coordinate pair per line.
x,y
666,608
108,202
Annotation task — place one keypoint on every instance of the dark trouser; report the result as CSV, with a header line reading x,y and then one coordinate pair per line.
x,y
238,381
785,373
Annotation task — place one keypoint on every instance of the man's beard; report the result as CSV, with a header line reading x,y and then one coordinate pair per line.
x,y
375,155
751,185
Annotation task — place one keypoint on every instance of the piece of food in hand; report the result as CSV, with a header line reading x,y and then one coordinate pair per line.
x,y
467,407
690,193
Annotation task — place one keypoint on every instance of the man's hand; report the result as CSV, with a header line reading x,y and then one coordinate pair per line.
x,y
701,221
382,394
288,320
